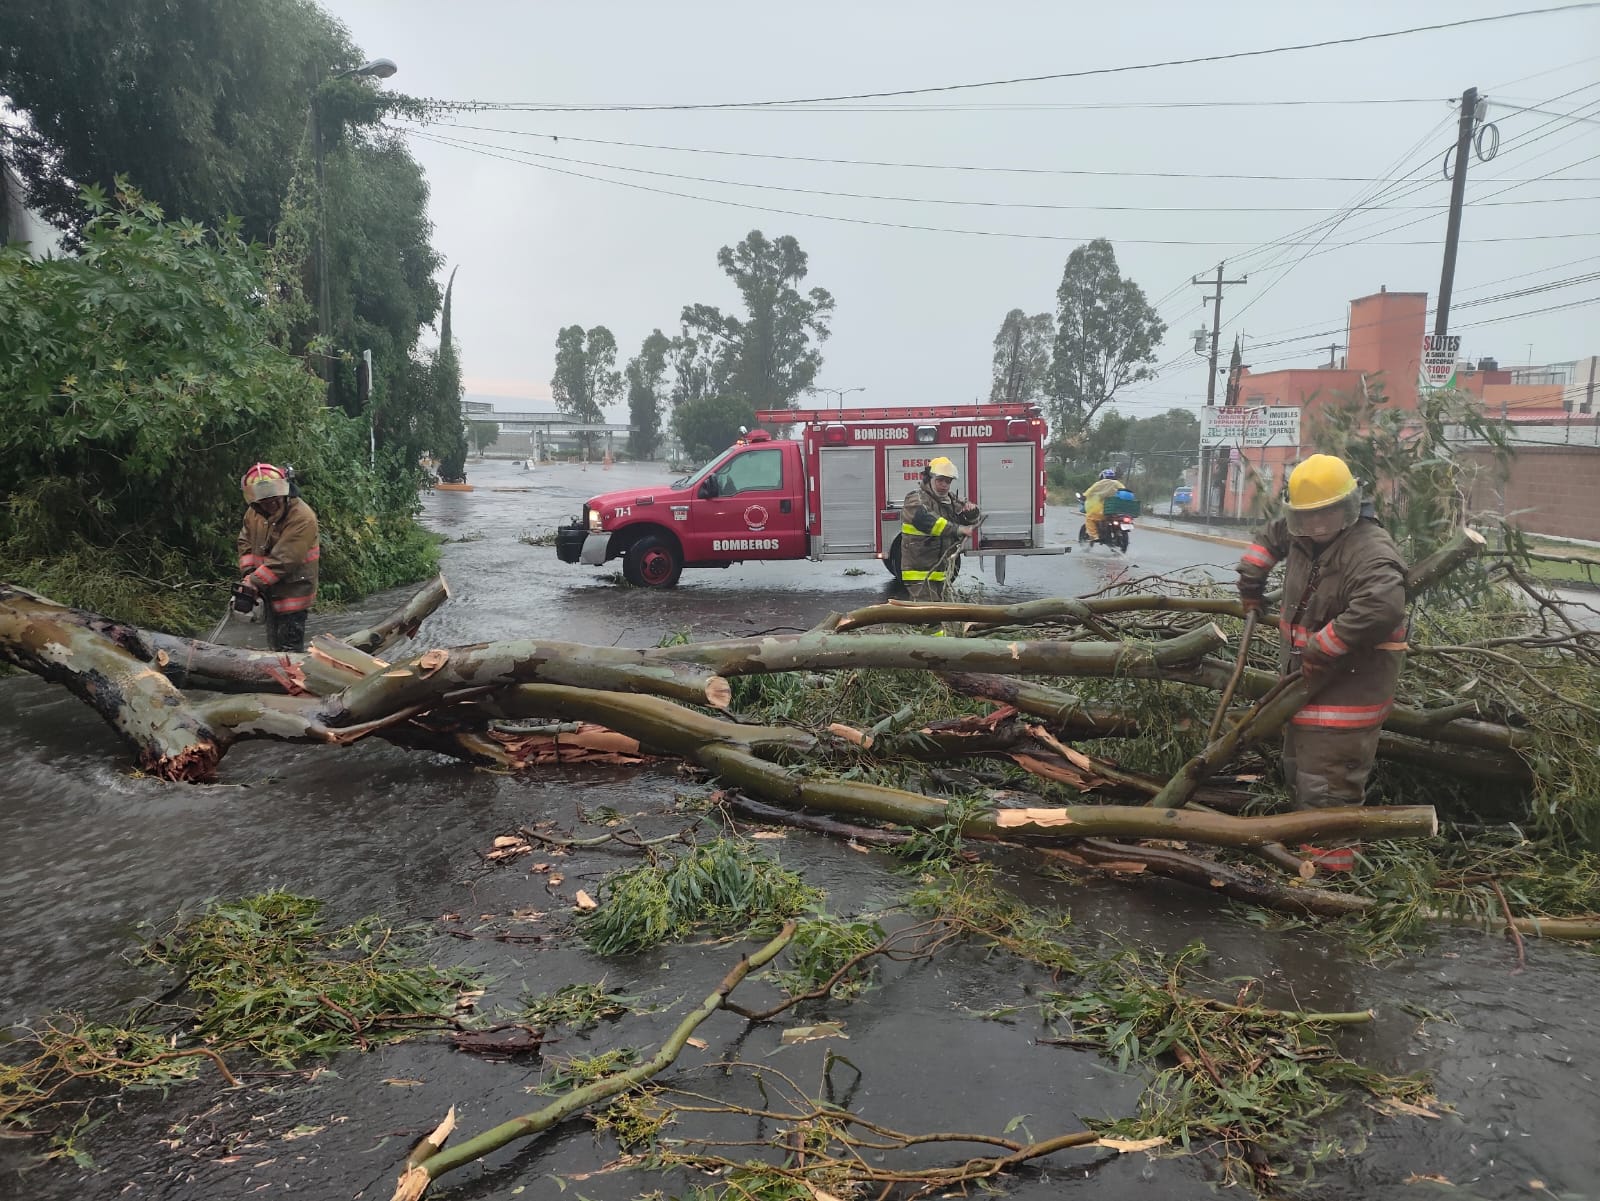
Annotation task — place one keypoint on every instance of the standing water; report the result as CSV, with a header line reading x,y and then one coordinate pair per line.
x,y
93,852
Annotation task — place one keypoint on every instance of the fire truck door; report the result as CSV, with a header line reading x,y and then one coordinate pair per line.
x,y
849,509
755,513
1006,492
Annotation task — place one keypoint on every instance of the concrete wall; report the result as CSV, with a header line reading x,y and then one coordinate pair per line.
x,y
1553,490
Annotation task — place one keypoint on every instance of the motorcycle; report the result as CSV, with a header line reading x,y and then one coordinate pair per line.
x,y
1115,530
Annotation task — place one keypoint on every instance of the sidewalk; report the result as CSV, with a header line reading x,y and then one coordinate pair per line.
x,y
1221,535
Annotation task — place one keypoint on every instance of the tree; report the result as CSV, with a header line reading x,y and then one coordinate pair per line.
x,y
138,380
645,373
1103,442
484,434
202,103
697,364
1160,447
769,357
708,426
1106,336
1022,358
586,378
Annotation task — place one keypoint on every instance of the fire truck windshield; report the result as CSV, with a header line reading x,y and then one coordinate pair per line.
x,y
689,481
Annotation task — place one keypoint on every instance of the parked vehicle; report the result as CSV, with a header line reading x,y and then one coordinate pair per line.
x,y
832,491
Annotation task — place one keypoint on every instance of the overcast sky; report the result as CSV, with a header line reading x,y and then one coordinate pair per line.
x,y
917,309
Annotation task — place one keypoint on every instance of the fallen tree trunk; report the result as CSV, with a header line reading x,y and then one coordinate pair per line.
x,y
895,806
170,739
819,650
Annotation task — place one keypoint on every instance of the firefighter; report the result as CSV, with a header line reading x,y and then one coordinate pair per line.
x,y
1343,624
933,522
278,554
1094,501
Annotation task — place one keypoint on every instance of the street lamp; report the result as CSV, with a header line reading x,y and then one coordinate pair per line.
x,y
840,393
378,68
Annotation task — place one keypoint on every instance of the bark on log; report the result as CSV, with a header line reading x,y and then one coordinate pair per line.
x,y
895,806
170,738
1036,612
404,621
818,650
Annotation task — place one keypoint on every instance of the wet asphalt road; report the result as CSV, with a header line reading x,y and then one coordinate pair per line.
x,y
92,852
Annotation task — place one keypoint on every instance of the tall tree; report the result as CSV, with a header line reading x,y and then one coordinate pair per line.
x,y
709,425
201,103
1106,336
437,427
699,367
1022,357
586,378
646,373
769,356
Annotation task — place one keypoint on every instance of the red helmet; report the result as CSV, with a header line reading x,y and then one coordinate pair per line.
x,y
264,480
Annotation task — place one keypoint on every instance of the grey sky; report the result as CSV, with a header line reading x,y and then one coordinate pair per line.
x,y
917,310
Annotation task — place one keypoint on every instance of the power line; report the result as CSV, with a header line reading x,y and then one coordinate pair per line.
x,y
916,166
1002,204
980,233
1091,72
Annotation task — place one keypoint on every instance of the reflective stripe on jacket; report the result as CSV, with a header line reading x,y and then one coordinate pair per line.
x,y
1349,602
930,534
280,557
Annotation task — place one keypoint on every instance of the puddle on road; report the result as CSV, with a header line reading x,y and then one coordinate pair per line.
x,y
92,852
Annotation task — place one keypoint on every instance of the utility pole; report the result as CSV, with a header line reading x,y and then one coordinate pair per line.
x,y
1458,192
1211,376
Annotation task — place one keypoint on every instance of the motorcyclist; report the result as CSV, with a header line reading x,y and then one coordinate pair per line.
x,y
933,522
278,555
1094,501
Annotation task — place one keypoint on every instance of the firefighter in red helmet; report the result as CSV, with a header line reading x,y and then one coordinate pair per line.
x,y
278,554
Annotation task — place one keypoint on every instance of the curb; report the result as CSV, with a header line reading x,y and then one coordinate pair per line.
x,y
1219,539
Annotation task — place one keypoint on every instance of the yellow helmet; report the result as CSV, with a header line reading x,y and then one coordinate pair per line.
x,y
942,466
1320,481
1323,498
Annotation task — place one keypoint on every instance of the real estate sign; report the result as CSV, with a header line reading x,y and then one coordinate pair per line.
x,y
1437,368
1262,425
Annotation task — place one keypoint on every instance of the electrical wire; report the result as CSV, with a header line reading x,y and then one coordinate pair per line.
x,y
982,233
916,166
1086,73
999,204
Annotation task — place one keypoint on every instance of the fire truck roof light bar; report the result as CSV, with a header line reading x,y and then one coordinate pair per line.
x,y
923,413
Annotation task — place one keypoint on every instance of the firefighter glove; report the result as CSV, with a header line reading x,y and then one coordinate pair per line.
x,y
1252,593
1313,662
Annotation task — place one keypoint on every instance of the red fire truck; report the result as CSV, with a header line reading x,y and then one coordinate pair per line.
x,y
832,491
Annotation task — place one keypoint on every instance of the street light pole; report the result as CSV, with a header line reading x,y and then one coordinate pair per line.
x,y
378,68
840,393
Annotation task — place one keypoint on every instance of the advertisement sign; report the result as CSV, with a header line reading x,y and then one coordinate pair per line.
x,y
1236,426
1438,361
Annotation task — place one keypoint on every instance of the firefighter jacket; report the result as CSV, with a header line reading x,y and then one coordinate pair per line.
x,y
279,556
1349,600
930,535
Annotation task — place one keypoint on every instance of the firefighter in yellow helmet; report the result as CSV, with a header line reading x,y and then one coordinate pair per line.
x,y
1343,624
278,556
933,523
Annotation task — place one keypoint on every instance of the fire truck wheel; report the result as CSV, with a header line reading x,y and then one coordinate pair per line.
x,y
892,559
652,562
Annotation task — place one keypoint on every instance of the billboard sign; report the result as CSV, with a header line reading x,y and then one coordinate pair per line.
x,y
1437,365
1236,426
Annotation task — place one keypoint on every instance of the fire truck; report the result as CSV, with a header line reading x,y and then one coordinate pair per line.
x,y
832,490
